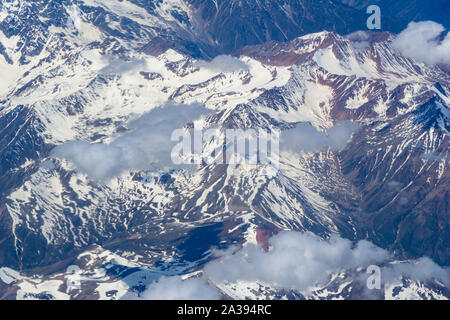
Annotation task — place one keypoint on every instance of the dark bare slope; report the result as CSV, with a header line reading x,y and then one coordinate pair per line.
x,y
234,24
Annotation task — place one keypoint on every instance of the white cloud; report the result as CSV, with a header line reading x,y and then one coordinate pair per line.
x,y
174,288
420,41
147,147
119,66
297,261
294,261
304,137
300,261
223,63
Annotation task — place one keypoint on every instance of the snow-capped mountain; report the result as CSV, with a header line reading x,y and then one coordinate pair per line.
x,y
90,70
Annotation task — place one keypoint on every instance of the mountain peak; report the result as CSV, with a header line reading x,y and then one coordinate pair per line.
x,y
433,114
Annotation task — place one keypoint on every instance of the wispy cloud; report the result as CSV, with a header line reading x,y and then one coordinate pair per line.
x,y
119,66
359,39
304,137
175,288
222,63
295,261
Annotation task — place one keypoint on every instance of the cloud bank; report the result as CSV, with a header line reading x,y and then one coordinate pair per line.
x,y
147,147
304,137
295,261
421,41
301,261
174,288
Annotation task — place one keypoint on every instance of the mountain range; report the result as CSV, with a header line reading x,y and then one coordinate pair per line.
x,y
90,86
